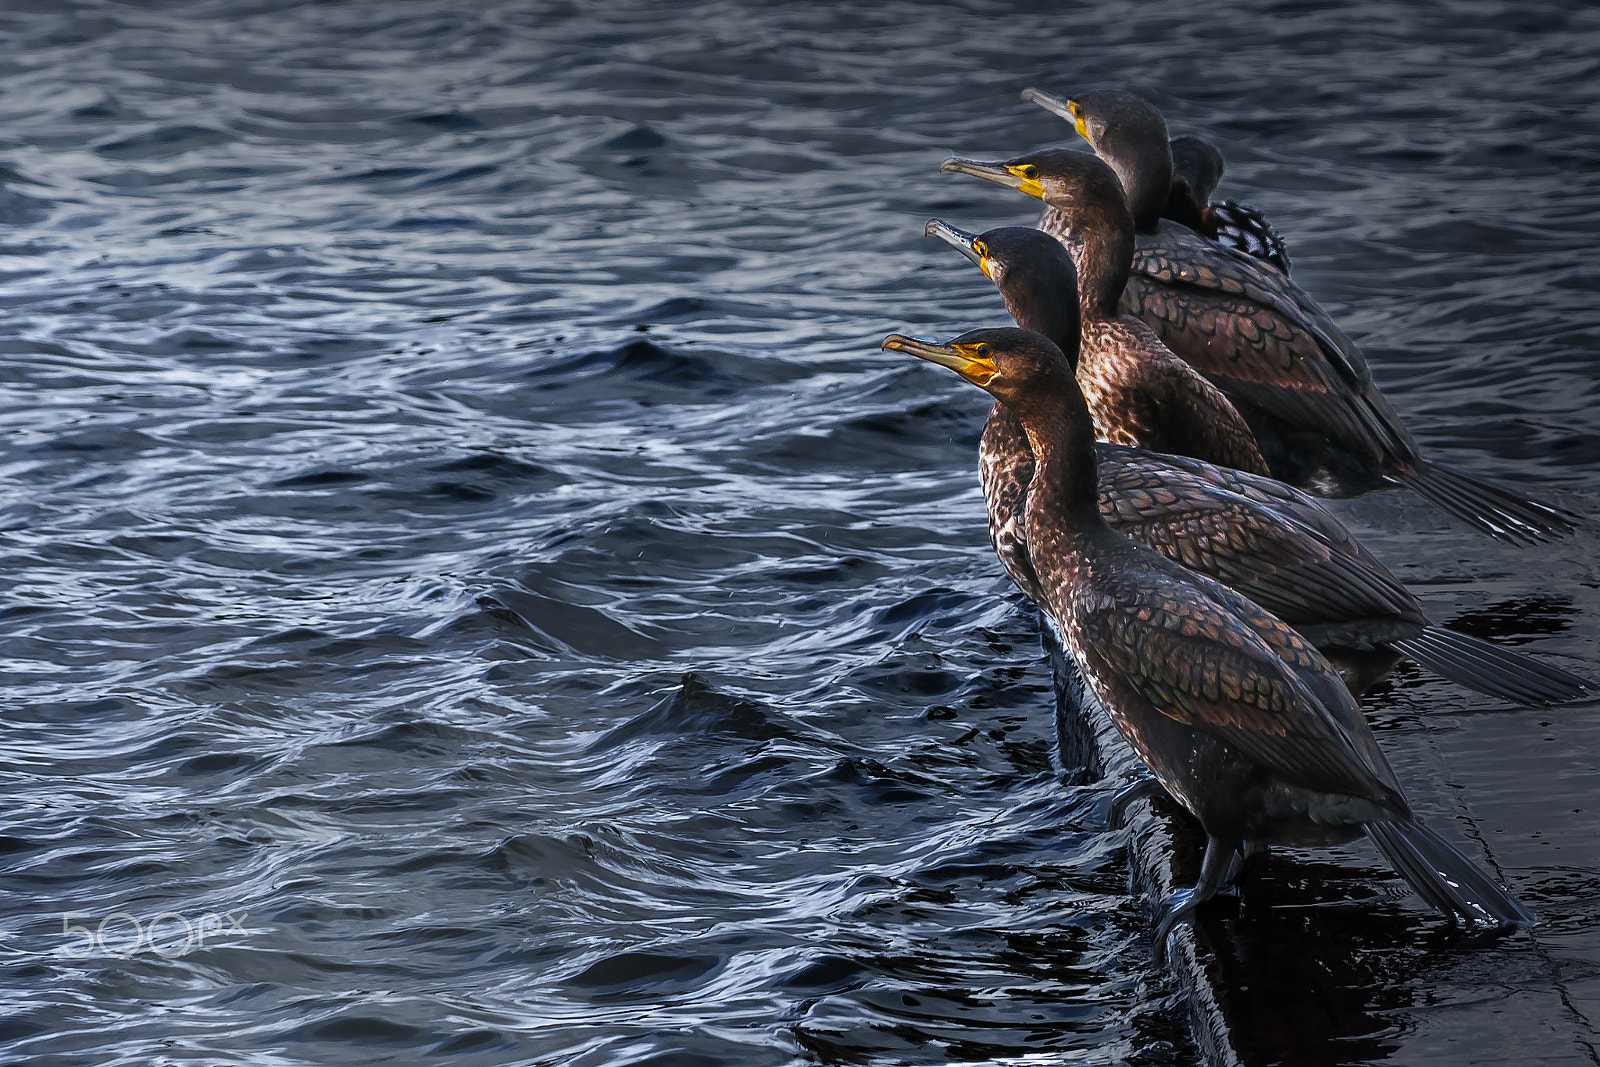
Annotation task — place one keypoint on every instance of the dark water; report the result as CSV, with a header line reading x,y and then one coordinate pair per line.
x,y
475,592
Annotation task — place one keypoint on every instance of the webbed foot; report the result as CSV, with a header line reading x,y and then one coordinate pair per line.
x,y
1219,860
1175,910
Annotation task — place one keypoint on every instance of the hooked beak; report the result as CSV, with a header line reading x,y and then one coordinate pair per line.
x,y
960,240
1056,106
993,172
974,368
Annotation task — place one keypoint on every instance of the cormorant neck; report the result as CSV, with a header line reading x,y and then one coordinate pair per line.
x,y
1104,258
1185,209
1061,436
1045,305
1145,169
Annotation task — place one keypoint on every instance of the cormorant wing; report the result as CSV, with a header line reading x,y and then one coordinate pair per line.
x,y
1196,653
1307,573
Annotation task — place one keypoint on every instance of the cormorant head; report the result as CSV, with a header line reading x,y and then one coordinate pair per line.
x,y
1033,272
1013,365
1055,175
1114,122
1006,254
1127,133
1079,185
1198,163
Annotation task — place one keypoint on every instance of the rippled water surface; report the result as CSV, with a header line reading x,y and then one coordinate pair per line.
x,y
475,590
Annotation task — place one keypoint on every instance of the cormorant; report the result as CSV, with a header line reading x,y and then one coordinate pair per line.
x,y
1236,715
1196,171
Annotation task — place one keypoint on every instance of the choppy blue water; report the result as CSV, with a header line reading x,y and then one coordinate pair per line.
x,y
476,591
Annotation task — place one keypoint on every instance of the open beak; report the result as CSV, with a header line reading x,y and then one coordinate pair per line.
x,y
1056,106
960,240
993,172
975,369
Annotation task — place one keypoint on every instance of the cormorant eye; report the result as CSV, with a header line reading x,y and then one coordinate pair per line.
x,y
1029,171
981,350
981,248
